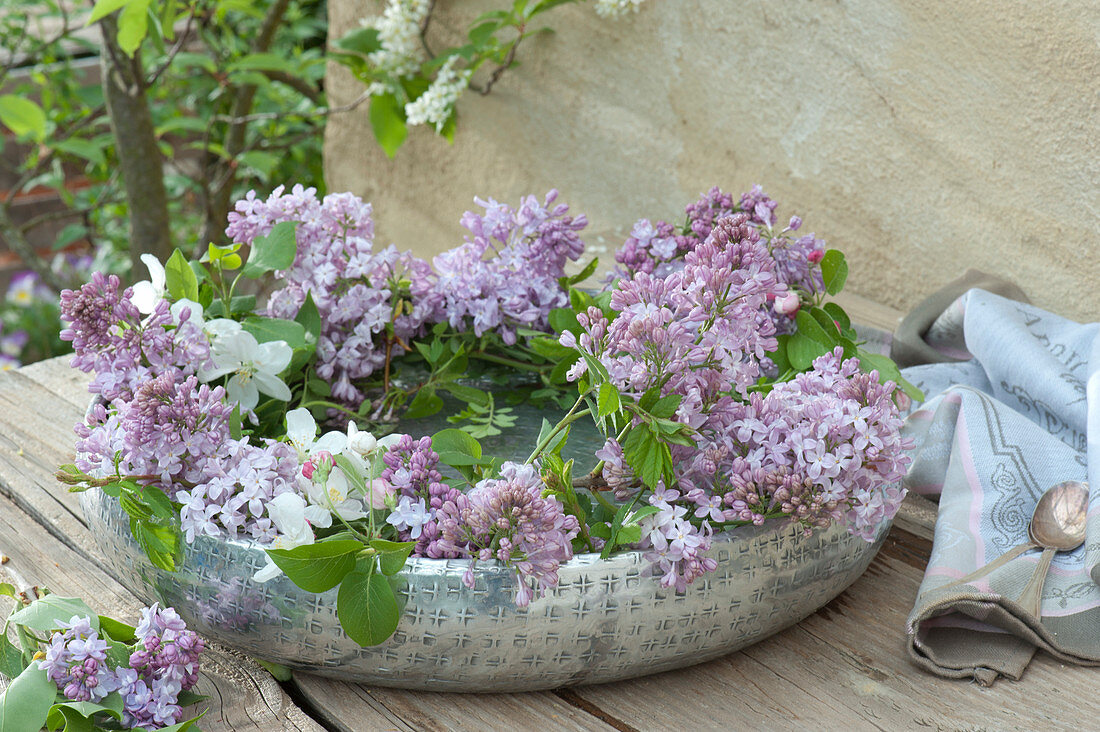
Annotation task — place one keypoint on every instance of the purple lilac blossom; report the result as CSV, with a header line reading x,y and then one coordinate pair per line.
x,y
174,433
165,663
110,338
649,248
507,519
411,471
505,276
697,333
76,660
356,289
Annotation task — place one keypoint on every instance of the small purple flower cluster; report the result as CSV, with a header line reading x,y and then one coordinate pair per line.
x,y
411,469
698,332
174,433
659,249
164,664
675,546
110,338
358,291
824,447
505,276
507,519
76,660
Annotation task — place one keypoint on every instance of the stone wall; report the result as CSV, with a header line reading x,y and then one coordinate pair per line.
x,y
921,137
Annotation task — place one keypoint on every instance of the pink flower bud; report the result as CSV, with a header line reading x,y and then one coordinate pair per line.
x,y
325,460
787,304
307,470
379,490
815,256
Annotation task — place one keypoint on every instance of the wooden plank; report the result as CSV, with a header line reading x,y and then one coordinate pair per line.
x,y
851,653
341,705
56,375
242,696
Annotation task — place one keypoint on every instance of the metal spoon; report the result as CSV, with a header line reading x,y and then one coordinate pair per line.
x,y
1058,525
1054,494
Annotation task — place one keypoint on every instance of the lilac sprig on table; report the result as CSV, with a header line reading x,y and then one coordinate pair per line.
x,y
80,669
726,387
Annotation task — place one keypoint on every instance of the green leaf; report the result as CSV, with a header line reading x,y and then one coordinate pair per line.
x,y
564,319
888,371
309,317
809,327
556,444
834,271
481,33
559,372
262,162
27,701
273,252
162,544
387,120
118,653
12,661
628,535
584,274
425,403
103,8
44,614
118,630
802,350
179,278
643,452
367,608
363,41
666,406
280,672
276,329
838,315
317,567
608,401
23,117
456,441
82,149
392,554
133,26
261,62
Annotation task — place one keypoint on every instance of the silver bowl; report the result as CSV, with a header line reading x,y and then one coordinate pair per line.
x,y
607,619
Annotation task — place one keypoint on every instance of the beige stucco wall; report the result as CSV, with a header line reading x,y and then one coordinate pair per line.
x,y
920,136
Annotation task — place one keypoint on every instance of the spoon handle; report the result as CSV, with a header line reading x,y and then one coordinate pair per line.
x,y
1032,597
987,568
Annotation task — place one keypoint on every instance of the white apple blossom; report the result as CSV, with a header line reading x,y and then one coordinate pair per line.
x,y
255,367
148,293
292,517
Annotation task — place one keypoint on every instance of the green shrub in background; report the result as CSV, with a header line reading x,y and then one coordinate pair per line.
x,y
149,135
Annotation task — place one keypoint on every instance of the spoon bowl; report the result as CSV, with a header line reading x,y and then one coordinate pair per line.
x,y
1058,525
1059,519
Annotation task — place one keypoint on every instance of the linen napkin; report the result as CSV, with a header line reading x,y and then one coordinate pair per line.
x,y
1017,411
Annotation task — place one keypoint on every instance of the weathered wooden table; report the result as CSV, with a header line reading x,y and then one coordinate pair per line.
x,y
842,668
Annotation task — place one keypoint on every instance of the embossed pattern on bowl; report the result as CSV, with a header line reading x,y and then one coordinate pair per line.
x,y
607,620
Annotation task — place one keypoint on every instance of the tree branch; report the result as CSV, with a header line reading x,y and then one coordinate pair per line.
x,y
296,83
320,112
139,156
217,206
